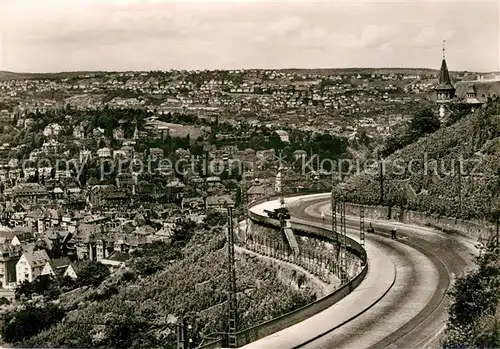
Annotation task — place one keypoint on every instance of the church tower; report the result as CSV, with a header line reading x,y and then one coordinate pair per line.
x,y
444,89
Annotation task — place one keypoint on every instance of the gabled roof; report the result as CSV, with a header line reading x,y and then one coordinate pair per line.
x,y
59,265
5,231
36,258
78,266
36,213
9,249
118,256
471,89
144,230
216,200
22,230
257,190
23,235
84,231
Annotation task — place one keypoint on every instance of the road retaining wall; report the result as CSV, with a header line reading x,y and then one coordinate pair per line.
x,y
474,229
277,324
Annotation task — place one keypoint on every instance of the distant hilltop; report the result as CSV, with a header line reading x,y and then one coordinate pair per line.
x,y
6,75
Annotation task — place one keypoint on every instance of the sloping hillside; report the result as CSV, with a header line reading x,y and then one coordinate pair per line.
x,y
425,176
7,75
137,308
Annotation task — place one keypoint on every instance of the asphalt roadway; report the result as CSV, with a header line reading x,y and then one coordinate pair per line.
x,y
412,311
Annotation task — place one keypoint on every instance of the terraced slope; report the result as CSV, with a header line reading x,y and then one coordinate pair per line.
x,y
454,172
139,311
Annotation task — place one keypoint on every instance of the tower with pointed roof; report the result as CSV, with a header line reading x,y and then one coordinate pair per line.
x,y
445,91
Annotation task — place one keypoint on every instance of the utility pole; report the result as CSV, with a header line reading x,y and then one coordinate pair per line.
x,y
232,328
381,170
335,232
459,187
498,224
362,226
244,199
182,340
334,213
343,244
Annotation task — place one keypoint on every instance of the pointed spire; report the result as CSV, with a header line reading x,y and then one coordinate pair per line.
x,y
444,89
444,75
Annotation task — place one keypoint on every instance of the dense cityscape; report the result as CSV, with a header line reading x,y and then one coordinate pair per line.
x,y
256,208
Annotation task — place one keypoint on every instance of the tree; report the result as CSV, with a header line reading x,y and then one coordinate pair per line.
x,y
23,289
184,232
275,141
214,219
41,284
423,123
473,314
458,112
238,197
25,323
93,274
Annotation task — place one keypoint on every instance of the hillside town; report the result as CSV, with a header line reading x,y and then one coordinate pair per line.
x,y
96,169
72,177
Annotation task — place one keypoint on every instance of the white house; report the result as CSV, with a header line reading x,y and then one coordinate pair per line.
x,y
283,136
56,267
30,265
104,153
71,272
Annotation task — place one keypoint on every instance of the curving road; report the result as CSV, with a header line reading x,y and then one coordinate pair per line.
x,y
412,313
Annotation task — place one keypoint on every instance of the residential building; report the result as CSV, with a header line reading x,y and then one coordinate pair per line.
x,y
30,265
56,267
9,256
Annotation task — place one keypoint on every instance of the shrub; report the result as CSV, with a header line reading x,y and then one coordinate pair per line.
x,y
473,314
93,274
25,323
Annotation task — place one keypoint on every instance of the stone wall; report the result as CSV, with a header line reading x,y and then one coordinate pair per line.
x,y
474,229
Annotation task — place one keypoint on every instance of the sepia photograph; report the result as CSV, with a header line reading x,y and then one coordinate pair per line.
x,y
258,174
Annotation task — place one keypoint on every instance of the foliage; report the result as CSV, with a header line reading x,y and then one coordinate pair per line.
x,y
45,285
152,258
23,289
215,218
473,314
24,323
139,315
183,232
427,176
457,112
93,274
423,123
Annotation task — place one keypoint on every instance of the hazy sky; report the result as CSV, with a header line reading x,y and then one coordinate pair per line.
x,y
66,35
